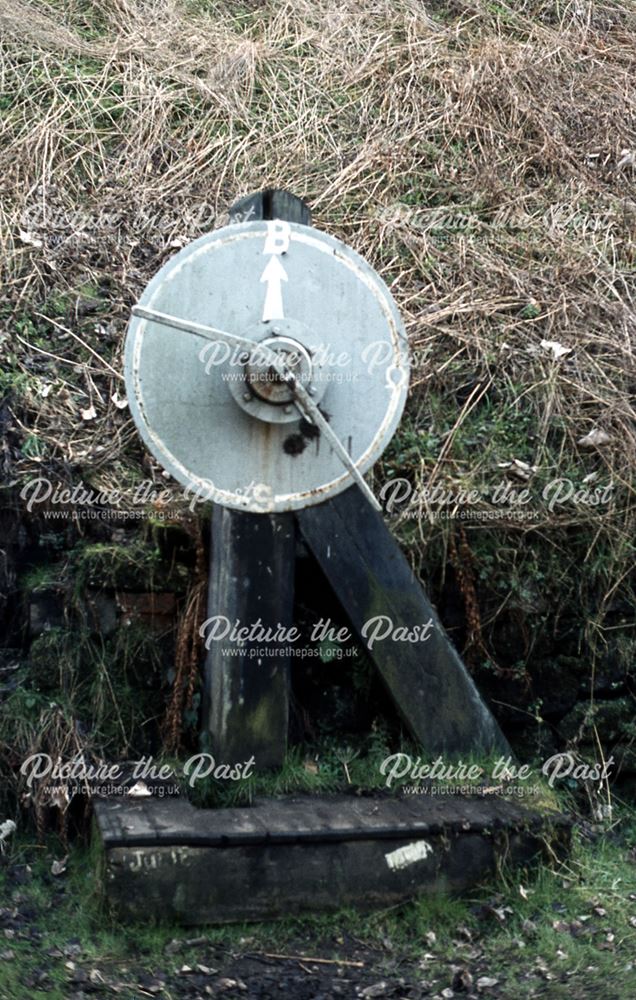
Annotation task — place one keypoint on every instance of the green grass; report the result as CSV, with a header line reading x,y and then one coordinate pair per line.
x,y
330,765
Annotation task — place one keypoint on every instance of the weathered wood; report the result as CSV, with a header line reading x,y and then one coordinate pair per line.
x,y
246,698
169,861
428,681
175,821
270,204
247,690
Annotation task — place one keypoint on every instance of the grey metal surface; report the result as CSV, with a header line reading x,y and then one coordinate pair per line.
x,y
250,279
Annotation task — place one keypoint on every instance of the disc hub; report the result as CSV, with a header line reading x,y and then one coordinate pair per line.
x,y
260,389
263,378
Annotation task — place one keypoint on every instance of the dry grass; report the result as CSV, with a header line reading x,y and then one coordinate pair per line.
x,y
482,156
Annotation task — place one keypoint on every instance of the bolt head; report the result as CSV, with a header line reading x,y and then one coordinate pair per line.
x,y
247,396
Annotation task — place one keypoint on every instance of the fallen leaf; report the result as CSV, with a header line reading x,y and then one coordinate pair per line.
x,y
89,414
377,990
518,468
33,241
557,349
595,439
120,402
486,982
59,867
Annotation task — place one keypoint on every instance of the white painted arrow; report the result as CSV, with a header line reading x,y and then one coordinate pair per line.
x,y
273,274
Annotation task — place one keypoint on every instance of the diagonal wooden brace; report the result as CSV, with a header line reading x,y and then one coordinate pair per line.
x,y
369,574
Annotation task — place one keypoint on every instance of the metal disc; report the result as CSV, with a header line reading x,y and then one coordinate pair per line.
x,y
263,280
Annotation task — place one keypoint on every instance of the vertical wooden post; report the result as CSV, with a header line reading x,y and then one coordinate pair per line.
x,y
246,703
251,580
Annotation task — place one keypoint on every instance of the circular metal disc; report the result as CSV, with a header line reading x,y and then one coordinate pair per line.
x,y
261,280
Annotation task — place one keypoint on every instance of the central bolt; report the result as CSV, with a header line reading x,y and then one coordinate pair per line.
x,y
263,376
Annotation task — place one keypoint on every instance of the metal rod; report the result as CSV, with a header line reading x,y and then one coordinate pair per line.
x,y
198,329
313,411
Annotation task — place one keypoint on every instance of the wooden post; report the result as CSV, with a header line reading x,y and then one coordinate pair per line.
x,y
246,703
432,689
